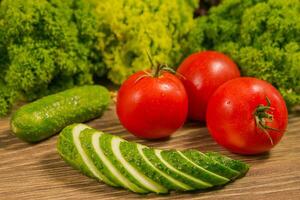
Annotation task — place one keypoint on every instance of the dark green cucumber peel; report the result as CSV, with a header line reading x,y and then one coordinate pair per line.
x,y
178,161
45,117
141,169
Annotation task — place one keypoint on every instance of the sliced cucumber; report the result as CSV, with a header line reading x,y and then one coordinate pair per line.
x,y
122,180
180,162
130,151
162,177
69,152
142,169
197,183
87,143
151,156
85,158
211,165
107,148
228,162
140,177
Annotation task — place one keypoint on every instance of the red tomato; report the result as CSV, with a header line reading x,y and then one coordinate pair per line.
x,y
247,116
152,107
202,73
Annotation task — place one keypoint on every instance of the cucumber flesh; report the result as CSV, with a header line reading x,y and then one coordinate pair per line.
x,y
90,165
141,178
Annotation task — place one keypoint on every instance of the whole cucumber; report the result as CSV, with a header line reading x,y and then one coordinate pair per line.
x,y
47,116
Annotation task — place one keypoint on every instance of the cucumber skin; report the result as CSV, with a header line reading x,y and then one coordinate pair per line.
x,y
47,116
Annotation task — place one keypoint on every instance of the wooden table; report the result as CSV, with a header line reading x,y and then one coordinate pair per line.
x,y
37,172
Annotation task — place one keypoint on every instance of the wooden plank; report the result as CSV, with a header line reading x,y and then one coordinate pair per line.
x,y
37,172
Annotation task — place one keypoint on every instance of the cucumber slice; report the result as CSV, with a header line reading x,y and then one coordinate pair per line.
x,y
106,146
142,169
151,156
140,177
87,143
162,177
68,151
180,162
228,162
113,171
197,183
211,165
85,158
133,153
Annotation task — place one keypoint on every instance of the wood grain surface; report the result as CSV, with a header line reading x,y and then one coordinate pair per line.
x,y
37,172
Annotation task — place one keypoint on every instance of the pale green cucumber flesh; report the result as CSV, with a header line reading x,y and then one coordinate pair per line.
x,y
180,162
211,165
106,146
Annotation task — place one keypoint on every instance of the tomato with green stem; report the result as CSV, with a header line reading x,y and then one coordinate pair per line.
x,y
247,116
152,104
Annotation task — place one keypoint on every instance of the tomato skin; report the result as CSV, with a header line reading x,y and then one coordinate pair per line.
x,y
151,107
230,115
202,73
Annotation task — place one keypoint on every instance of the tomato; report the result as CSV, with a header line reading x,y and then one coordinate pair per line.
x,y
152,107
247,116
202,73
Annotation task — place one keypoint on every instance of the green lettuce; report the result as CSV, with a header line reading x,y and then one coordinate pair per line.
x,y
129,28
263,37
